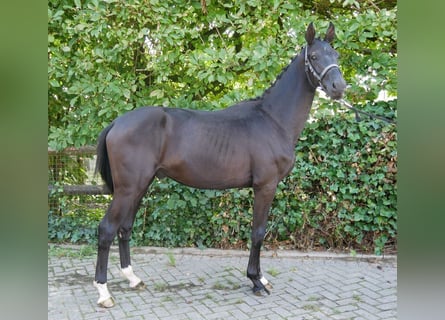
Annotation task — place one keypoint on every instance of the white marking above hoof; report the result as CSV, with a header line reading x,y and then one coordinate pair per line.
x,y
105,299
264,281
135,282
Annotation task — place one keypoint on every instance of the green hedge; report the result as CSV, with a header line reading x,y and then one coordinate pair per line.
x,y
341,194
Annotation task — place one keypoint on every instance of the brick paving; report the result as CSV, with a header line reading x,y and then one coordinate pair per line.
x,y
211,284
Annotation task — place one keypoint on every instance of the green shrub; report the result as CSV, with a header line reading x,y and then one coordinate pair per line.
x,y
342,190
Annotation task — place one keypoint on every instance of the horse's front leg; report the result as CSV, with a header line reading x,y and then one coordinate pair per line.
x,y
261,205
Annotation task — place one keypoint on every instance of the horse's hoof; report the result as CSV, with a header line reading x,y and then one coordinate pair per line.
x,y
266,285
107,303
105,299
258,291
140,286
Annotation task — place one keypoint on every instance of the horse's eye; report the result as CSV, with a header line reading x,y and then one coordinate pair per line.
x,y
313,57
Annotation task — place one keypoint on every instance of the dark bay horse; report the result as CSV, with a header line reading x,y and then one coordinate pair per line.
x,y
250,144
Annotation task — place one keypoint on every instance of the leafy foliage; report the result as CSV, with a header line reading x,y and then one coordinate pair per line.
x,y
75,218
106,57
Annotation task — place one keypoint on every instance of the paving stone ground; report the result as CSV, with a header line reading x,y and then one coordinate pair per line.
x,y
211,284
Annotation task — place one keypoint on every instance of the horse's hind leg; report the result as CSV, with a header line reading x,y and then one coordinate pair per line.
x,y
124,234
118,221
106,232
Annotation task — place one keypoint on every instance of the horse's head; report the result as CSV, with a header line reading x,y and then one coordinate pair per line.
x,y
321,63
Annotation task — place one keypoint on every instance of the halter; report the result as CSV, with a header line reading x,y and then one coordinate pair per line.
x,y
308,67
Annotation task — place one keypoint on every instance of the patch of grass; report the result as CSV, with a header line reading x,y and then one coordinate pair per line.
x,y
313,298
219,286
167,299
160,287
311,307
231,285
81,252
234,285
273,272
356,297
88,250
171,259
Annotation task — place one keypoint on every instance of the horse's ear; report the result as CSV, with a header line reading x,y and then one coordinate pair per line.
x,y
330,33
310,34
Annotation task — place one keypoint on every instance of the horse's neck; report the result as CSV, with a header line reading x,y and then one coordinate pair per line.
x,y
288,101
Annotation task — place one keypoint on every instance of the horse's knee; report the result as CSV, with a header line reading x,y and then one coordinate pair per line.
x,y
124,233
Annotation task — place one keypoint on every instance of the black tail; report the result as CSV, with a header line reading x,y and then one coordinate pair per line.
x,y
102,161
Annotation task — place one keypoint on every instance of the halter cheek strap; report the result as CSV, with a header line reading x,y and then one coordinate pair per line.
x,y
319,76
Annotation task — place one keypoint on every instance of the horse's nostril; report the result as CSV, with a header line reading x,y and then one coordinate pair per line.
x,y
333,85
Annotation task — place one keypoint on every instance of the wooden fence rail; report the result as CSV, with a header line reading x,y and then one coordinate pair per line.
x,y
87,150
72,189
81,189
